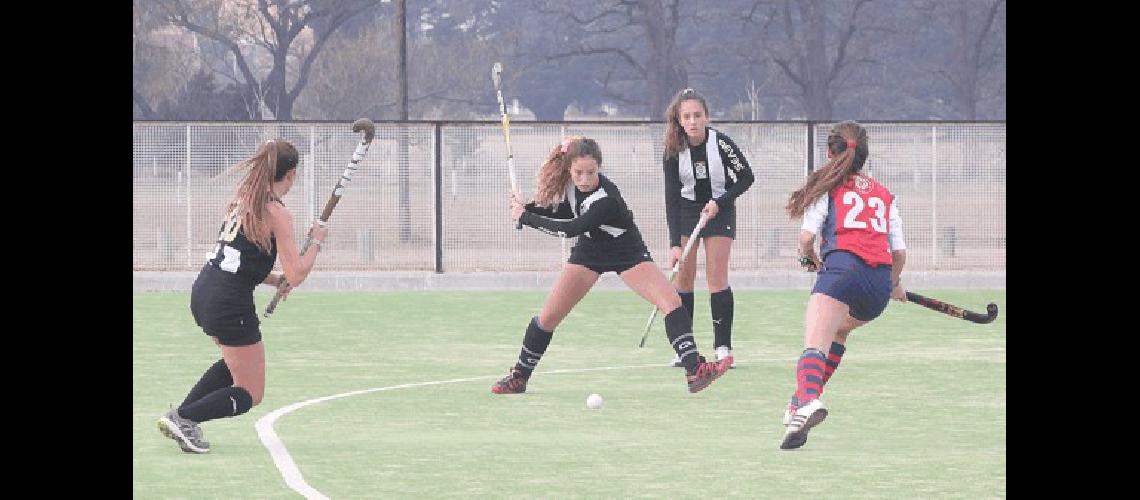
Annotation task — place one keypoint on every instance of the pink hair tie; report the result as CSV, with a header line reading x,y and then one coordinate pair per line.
x,y
850,144
566,145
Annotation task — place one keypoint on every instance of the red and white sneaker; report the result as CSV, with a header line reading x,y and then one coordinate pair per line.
x,y
705,373
513,383
724,352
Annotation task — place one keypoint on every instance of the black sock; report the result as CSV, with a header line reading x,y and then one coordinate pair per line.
x,y
227,402
679,329
216,377
721,303
534,346
687,301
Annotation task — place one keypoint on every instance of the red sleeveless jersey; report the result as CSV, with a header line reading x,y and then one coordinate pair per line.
x,y
858,220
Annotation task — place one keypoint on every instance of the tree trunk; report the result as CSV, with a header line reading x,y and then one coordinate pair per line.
x,y
966,88
665,76
817,98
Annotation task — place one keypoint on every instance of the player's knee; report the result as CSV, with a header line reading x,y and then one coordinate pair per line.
x,y
717,283
687,277
255,393
717,278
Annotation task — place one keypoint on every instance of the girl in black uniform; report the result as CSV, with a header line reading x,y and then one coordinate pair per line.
x,y
573,199
221,299
704,173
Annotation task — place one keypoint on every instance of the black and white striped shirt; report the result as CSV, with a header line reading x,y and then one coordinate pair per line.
x,y
714,170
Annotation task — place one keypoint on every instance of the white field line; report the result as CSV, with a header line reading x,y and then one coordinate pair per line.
x,y
288,467
292,474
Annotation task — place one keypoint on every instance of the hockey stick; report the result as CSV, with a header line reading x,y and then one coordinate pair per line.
x,y
497,77
362,125
957,312
684,253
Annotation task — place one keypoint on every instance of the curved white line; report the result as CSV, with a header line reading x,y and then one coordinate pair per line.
x,y
292,474
284,461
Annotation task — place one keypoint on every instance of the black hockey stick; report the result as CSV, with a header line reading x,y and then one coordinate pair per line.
x,y
362,125
955,311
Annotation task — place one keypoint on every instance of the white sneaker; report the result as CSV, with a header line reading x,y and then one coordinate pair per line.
x,y
800,422
724,352
677,362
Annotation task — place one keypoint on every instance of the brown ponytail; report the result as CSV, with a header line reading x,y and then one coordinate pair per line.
x,y
844,161
272,161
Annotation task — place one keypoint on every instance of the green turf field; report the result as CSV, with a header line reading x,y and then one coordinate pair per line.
x,y
917,408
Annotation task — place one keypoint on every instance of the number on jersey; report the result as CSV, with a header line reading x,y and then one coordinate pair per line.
x,y
878,222
231,226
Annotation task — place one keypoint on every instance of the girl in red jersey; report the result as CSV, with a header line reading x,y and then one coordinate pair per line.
x,y
863,254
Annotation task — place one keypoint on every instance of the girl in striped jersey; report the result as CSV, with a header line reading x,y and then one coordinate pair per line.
x,y
573,199
863,256
704,173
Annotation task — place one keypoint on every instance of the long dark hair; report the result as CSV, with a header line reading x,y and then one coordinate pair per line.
x,y
272,161
845,160
676,140
555,171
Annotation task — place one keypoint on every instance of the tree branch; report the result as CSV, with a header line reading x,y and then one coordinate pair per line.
x,y
147,112
178,16
791,74
985,30
306,65
842,51
582,51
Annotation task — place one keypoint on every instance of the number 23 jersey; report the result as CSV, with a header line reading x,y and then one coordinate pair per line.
x,y
860,217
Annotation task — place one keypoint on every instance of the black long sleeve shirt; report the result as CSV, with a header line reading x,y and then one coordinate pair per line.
x,y
600,215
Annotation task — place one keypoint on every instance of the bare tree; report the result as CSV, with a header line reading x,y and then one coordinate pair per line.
x,y
447,67
978,28
274,26
636,42
817,46
353,77
163,62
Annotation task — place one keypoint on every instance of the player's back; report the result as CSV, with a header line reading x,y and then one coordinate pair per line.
x,y
858,220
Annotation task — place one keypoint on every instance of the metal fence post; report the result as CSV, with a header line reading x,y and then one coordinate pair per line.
x,y
189,207
309,174
811,148
934,195
437,193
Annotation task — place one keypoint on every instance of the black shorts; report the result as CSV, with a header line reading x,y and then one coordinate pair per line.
x,y
604,260
724,224
224,310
